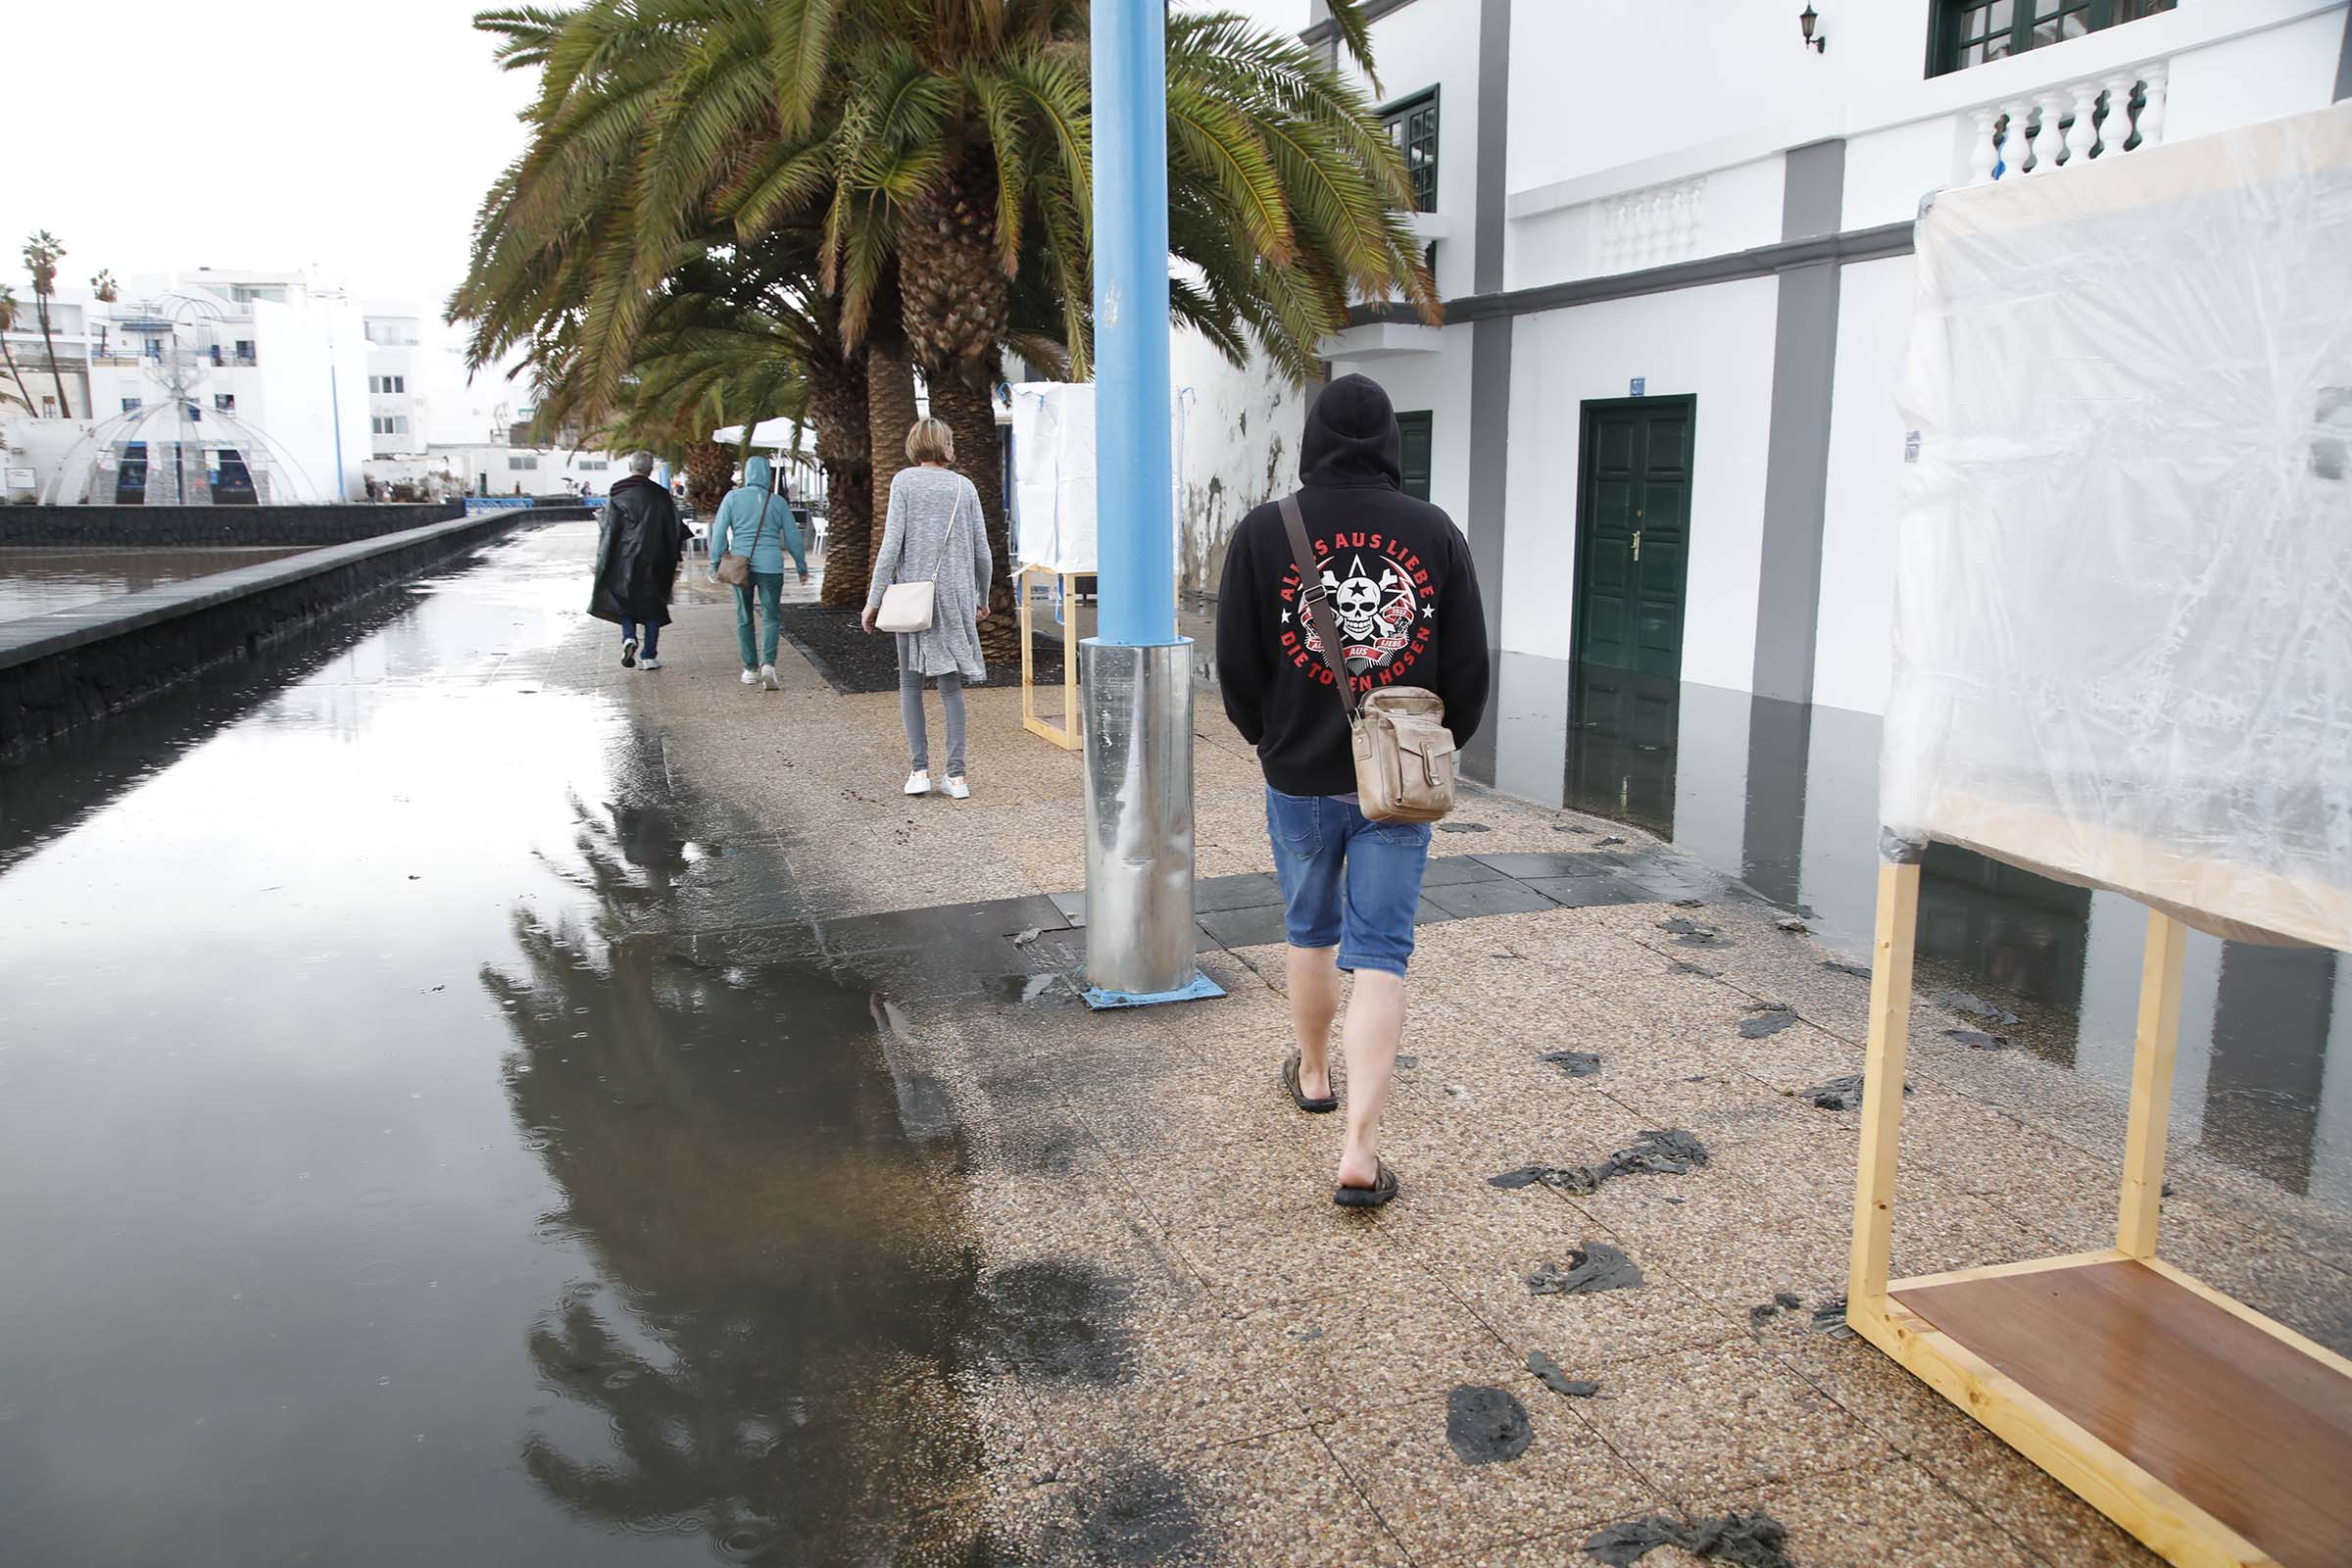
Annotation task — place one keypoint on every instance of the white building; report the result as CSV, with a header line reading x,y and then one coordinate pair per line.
x,y
282,352
399,415
1674,243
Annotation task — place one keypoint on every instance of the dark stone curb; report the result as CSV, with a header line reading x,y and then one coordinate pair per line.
x,y
108,527
72,666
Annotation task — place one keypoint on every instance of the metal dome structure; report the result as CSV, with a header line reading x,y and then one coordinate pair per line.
x,y
174,448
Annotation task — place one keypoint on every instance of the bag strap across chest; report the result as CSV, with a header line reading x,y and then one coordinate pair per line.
x,y
1314,601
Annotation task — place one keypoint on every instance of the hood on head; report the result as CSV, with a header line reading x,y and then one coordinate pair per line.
x,y
756,472
1351,437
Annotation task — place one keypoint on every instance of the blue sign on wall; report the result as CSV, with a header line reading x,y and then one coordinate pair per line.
x,y
1640,384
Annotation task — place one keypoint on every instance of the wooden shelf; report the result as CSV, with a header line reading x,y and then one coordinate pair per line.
x,y
2216,1437
2211,1433
1066,733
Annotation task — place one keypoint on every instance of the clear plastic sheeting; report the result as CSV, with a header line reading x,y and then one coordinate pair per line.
x,y
1053,475
2124,598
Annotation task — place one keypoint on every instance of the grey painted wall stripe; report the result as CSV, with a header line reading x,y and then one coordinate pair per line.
x,y
1493,143
1490,349
1813,190
1765,260
2344,60
1489,449
1796,468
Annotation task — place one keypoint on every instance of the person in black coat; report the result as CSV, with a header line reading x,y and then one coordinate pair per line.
x,y
637,562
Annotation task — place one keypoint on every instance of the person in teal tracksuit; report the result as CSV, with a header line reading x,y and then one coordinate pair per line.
x,y
739,530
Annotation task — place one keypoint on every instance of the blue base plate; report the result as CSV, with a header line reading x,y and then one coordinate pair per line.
x,y
1199,988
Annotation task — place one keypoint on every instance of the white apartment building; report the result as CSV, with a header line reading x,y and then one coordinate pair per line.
x,y
399,415
1673,241
280,352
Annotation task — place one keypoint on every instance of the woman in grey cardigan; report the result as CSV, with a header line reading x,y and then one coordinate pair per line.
x,y
935,532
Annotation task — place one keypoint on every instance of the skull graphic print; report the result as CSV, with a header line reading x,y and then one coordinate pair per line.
x,y
1382,598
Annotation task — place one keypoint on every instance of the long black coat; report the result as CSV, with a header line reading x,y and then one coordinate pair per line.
x,y
637,556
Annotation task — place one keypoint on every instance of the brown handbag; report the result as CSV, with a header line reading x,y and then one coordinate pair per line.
x,y
1403,750
733,570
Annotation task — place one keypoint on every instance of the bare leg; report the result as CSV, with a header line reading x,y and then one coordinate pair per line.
x,y
1375,1026
1313,975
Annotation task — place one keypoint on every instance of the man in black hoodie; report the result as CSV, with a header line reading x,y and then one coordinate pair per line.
x,y
1399,578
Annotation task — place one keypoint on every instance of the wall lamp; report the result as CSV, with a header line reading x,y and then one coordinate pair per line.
x,y
1808,20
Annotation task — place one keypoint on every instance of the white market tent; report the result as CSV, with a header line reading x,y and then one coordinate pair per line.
x,y
769,435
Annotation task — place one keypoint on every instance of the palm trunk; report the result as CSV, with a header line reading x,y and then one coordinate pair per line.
x,y
844,447
971,414
65,404
707,466
957,305
889,416
19,376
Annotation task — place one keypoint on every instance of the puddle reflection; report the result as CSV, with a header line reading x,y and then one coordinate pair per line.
x,y
1783,797
784,1287
430,1142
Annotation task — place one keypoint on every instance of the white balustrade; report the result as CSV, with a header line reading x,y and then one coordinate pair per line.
x,y
2084,134
2033,135
1651,228
2013,138
2114,126
2047,138
2156,78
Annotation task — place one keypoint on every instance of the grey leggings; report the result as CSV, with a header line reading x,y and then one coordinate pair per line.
x,y
911,710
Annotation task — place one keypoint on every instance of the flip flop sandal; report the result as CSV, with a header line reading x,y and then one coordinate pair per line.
x,y
1383,1187
1289,1081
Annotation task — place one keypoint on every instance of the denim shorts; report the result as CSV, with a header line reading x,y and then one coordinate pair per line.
x,y
1346,881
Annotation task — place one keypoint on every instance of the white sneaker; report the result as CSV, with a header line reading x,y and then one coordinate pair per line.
x,y
918,783
957,789
767,678
628,653
750,677
649,662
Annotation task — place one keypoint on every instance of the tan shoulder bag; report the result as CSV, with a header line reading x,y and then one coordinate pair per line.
x,y
909,605
735,570
1403,750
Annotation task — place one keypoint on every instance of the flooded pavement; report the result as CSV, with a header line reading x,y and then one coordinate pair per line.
x,y
1783,797
35,579
401,1165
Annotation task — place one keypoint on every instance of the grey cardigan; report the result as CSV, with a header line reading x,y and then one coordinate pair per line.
x,y
915,548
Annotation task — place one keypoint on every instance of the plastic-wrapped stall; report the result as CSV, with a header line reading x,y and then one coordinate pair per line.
x,y
1053,475
2124,658
2123,608
1053,528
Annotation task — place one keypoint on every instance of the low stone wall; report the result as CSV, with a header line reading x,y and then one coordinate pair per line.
x,y
71,667
101,526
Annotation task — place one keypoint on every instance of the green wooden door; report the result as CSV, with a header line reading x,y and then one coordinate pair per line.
x,y
1415,429
1633,528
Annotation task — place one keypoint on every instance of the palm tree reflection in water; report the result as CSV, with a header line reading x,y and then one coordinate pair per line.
x,y
729,1146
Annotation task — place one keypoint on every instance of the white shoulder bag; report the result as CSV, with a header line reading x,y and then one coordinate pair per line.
x,y
909,605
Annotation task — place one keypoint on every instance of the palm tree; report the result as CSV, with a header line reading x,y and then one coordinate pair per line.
x,y
7,323
42,251
960,150
105,286
942,147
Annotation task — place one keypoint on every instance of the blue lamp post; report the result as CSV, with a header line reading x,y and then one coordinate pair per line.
x,y
1136,671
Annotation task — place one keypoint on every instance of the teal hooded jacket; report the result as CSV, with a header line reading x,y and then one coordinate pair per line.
x,y
737,526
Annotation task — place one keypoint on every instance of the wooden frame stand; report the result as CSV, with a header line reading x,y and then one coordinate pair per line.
x,y
1066,734
2213,1434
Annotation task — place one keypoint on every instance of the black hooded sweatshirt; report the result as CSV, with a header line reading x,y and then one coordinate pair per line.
x,y
1403,591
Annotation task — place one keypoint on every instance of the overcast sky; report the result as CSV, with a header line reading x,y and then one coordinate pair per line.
x,y
151,135
354,140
